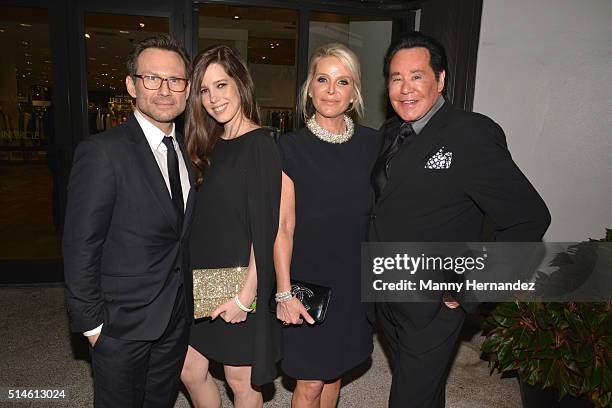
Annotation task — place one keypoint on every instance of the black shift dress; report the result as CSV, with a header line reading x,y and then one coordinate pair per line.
x,y
238,205
333,197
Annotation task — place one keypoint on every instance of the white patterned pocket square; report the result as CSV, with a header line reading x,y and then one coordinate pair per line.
x,y
440,161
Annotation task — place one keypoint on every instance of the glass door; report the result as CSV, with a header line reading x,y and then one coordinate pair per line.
x,y
368,37
108,41
50,72
30,217
267,39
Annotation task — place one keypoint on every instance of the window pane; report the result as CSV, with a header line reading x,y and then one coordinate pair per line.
x,y
368,38
267,39
29,220
109,39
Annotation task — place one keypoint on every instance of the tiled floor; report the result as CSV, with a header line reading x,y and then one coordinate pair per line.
x,y
36,350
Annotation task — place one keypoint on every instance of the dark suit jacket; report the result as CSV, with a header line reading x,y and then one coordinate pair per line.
x,y
124,253
448,205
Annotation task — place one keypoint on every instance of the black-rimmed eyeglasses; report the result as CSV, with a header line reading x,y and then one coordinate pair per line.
x,y
153,82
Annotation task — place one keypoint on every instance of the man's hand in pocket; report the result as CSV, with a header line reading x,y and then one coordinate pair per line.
x,y
93,339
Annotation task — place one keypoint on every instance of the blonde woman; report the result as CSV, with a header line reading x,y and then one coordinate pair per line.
x,y
325,202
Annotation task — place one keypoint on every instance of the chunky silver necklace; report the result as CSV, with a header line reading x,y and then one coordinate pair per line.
x,y
328,136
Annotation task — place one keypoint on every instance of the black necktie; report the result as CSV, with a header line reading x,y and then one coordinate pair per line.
x,y
175,178
380,174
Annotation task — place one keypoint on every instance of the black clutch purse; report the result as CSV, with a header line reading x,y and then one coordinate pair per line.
x,y
315,298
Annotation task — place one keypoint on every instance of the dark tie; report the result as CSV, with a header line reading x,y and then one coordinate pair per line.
x,y
380,174
175,178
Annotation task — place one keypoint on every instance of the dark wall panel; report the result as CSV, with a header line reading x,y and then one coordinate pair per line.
x,y
457,25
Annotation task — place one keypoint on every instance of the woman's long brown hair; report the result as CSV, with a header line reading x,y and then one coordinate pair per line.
x,y
201,130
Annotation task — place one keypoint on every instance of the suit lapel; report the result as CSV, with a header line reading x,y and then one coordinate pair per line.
x,y
415,155
150,168
190,170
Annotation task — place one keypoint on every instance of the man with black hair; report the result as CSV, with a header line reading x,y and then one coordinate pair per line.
x,y
439,172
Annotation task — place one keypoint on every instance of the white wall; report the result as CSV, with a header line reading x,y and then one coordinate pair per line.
x,y
544,74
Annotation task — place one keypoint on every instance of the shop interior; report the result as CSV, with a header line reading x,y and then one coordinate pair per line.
x,y
34,175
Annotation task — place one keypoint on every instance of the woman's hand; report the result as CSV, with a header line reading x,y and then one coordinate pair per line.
x,y
292,312
230,312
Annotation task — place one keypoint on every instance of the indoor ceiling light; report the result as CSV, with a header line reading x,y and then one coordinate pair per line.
x,y
25,25
87,35
141,25
236,17
123,32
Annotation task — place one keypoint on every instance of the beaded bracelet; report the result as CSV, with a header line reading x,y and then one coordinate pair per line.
x,y
241,306
282,294
281,297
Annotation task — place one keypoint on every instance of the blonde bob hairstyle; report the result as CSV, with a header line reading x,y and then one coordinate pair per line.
x,y
350,62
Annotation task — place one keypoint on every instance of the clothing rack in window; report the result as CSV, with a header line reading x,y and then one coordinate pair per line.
x,y
24,130
116,111
278,117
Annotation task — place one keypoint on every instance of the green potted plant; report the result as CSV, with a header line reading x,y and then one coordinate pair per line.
x,y
563,349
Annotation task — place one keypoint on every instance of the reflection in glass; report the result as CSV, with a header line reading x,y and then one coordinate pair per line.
x,y
29,219
369,38
109,39
267,38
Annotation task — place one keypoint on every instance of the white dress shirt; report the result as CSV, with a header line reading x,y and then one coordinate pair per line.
x,y
155,139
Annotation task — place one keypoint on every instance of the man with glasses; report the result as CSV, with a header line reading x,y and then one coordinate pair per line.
x,y
126,260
